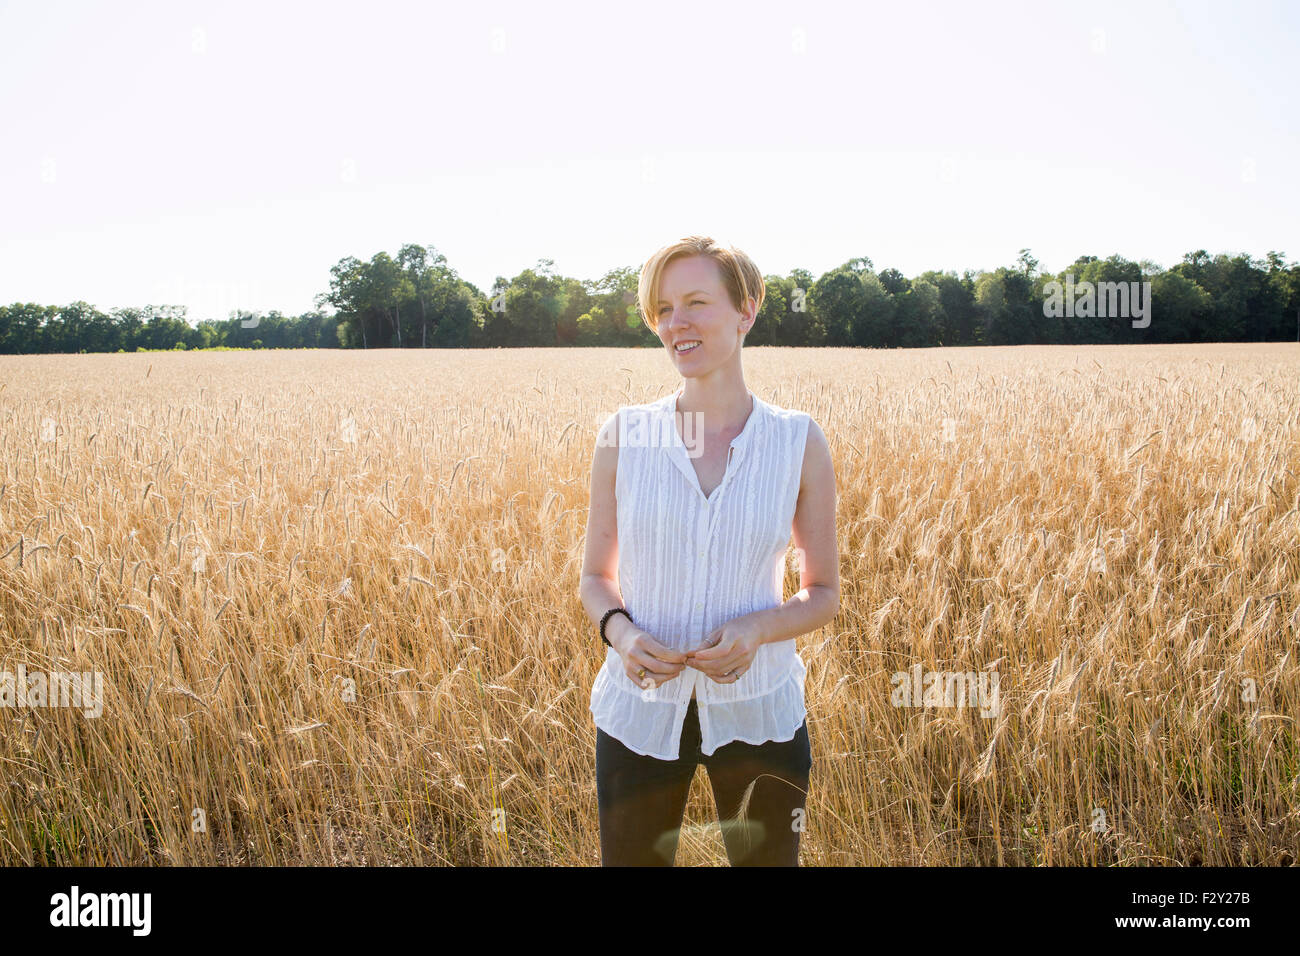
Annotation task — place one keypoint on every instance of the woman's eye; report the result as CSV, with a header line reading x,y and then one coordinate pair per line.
x,y
693,302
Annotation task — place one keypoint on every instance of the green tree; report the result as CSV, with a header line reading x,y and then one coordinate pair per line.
x,y
957,299
348,294
800,324
920,318
1180,308
874,323
836,298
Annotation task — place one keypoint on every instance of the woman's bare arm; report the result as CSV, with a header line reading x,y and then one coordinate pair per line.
x,y
598,587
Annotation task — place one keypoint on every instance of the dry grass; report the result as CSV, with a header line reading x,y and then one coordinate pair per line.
x,y
1118,529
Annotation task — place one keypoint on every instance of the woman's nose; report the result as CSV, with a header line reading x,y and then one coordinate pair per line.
x,y
675,320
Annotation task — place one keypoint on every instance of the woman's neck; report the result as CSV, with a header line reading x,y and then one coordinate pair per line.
x,y
723,406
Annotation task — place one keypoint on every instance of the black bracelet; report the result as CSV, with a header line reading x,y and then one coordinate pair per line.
x,y
612,611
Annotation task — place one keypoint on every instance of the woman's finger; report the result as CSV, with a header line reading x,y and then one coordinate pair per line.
x,y
737,664
652,665
652,647
653,680
723,664
660,662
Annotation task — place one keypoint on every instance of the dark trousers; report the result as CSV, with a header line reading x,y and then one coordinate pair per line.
x,y
642,799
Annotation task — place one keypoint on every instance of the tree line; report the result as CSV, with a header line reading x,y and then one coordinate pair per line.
x,y
416,300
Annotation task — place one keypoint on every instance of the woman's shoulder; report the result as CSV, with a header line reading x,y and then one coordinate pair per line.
x,y
629,419
793,417
800,430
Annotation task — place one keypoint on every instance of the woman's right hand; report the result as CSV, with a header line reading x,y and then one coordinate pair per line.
x,y
638,649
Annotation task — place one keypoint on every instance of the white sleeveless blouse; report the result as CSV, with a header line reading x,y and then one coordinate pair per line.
x,y
688,564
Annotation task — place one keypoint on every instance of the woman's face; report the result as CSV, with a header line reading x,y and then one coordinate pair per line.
x,y
694,307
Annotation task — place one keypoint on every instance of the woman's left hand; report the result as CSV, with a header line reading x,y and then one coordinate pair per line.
x,y
728,652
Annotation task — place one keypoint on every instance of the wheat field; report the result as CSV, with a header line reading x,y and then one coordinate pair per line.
x,y
333,600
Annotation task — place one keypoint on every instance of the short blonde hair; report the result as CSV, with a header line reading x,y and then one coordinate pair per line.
x,y
740,276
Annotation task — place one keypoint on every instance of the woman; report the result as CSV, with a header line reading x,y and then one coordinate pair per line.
x,y
683,574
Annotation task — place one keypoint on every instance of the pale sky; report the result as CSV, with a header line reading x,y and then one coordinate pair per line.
x,y
223,155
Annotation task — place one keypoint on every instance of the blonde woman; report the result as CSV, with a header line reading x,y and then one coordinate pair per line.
x,y
694,499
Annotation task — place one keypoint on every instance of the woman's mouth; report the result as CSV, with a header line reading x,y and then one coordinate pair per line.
x,y
682,347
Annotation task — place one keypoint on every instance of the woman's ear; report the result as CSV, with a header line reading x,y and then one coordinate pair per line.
x,y
750,317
